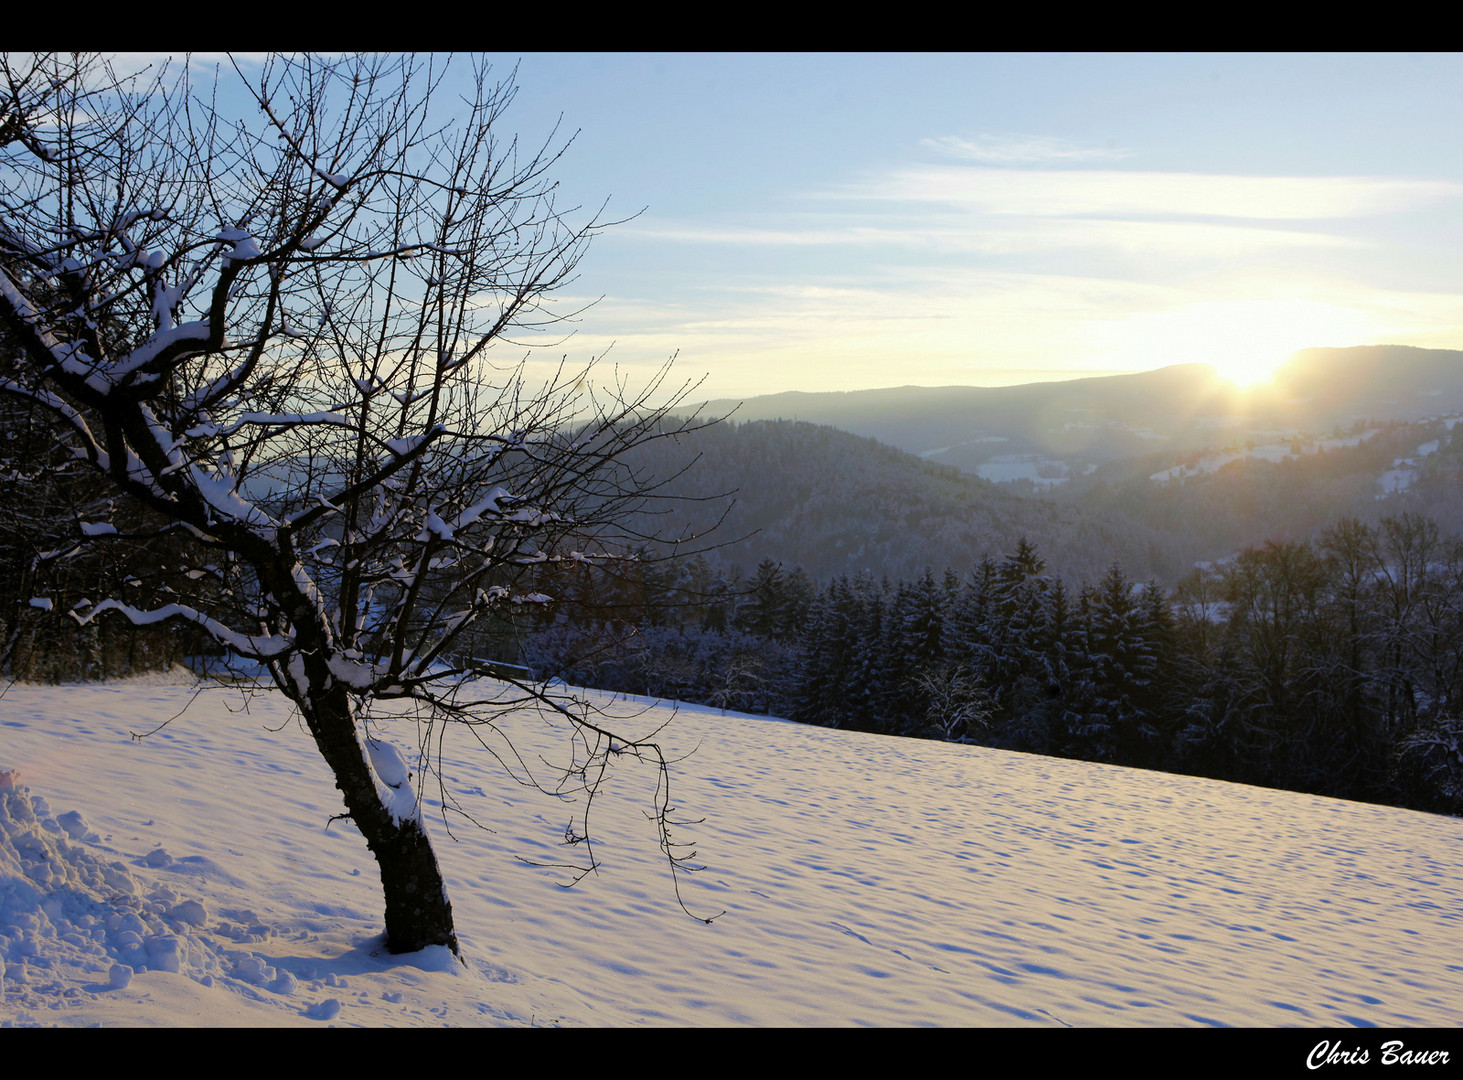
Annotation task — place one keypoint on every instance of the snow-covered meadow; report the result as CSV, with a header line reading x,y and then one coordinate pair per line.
x,y
194,877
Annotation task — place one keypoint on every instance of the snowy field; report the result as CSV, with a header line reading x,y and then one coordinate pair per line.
x,y
1011,467
194,877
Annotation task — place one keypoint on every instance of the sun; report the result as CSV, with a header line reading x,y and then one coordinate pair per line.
x,y
1245,341
1249,366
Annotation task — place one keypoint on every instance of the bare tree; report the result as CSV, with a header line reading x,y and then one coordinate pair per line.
x,y
273,334
960,705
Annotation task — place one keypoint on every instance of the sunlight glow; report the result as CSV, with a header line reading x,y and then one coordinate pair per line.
x,y
1247,341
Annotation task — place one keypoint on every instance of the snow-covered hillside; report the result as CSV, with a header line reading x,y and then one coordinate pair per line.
x,y
865,880
1272,452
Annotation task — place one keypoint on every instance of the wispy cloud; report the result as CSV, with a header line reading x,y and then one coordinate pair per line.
x,y
796,236
1179,239
1089,192
1186,240
1020,149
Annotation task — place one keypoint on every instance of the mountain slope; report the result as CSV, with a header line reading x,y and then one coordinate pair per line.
x,y
1183,408
831,502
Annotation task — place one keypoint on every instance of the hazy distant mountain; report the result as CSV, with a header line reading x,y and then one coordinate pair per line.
x,y
1377,382
1154,470
1068,427
831,502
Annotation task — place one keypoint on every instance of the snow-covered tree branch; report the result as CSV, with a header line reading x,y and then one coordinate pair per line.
x,y
275,330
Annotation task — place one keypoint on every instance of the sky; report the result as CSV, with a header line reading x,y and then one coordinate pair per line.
x,y
837,222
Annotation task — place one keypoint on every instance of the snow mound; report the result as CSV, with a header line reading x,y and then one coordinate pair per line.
x,y
75,922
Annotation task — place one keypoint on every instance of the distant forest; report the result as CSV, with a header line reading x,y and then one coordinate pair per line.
x,y
1333,667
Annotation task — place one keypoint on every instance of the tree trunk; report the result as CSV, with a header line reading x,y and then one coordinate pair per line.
x,y
418,913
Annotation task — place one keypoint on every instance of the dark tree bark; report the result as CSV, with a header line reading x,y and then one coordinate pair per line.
x,y
418,912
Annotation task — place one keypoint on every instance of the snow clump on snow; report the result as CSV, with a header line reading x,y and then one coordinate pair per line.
x,y
75,922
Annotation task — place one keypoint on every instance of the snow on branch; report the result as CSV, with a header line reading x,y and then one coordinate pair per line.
x,y
249,646
222,494
394,778
209,429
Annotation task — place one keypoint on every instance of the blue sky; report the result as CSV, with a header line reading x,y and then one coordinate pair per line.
x,y
825,221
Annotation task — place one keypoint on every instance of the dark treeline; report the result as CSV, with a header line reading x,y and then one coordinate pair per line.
x,y
46,571
1333,667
